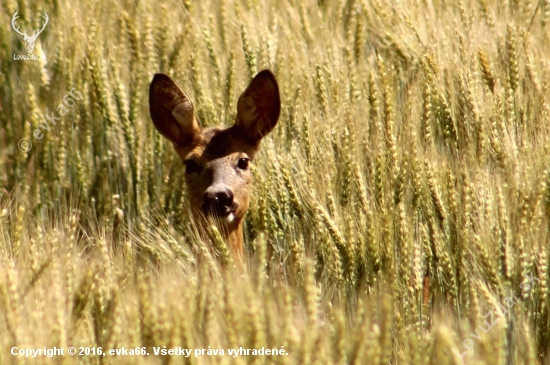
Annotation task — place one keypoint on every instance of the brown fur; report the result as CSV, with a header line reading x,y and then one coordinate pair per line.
x,y
217,151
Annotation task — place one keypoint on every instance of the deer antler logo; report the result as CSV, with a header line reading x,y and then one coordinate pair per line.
x,y
29,40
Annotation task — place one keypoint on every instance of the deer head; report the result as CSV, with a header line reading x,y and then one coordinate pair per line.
x,y
29,40
216,160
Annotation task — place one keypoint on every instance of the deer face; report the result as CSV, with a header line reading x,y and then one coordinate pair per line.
x,y
30,42
216,160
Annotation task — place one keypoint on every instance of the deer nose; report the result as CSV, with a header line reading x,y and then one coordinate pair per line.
x,y
221,197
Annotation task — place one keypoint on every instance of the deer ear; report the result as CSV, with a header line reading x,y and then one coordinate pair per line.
x,y
259,107
172,111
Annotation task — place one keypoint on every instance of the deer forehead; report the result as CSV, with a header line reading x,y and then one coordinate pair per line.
x,y
217,145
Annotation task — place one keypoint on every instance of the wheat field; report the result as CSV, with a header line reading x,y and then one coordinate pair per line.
x,y
400,211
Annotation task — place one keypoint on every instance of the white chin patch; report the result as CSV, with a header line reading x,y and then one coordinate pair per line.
x,y
229,218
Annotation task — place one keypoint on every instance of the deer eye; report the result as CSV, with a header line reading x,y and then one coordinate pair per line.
x,y
243,163
191,166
